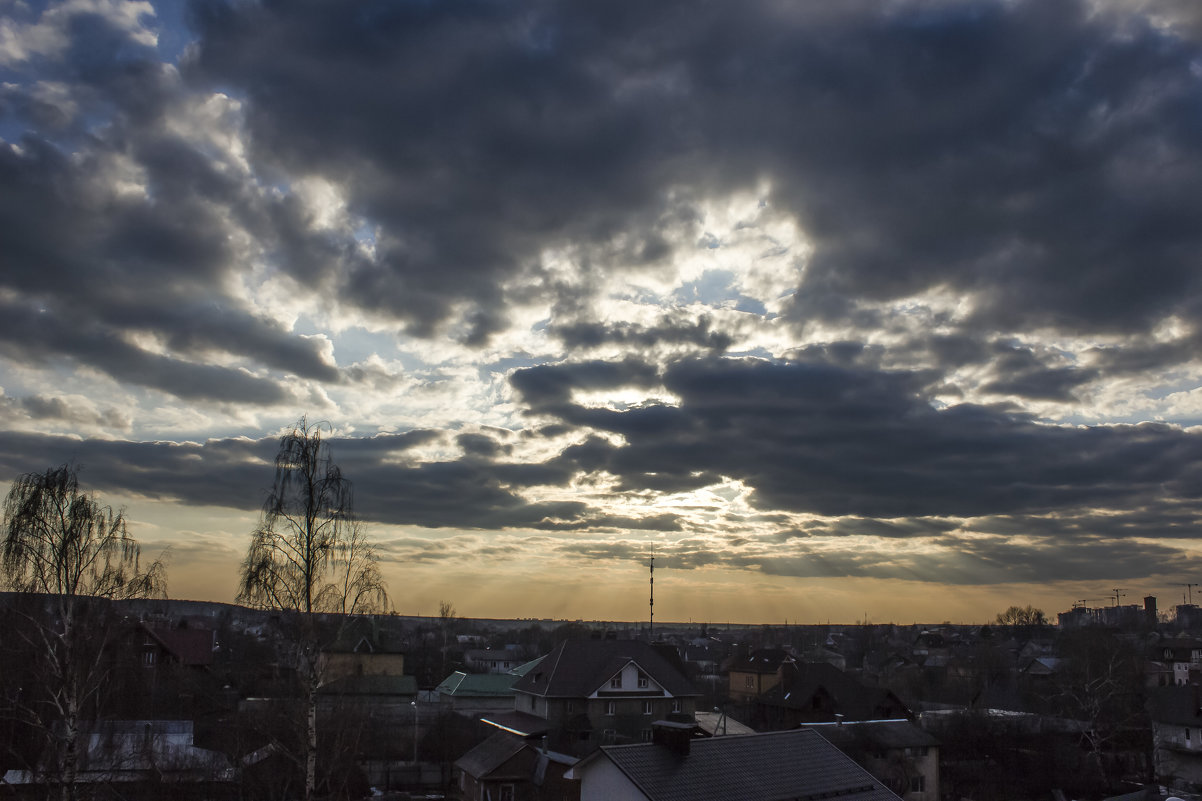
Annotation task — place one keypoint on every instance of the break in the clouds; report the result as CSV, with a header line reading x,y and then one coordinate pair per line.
x,y
903,291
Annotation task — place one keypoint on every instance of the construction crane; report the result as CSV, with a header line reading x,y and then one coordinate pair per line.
x,y
1189,587
1082,602
1119,592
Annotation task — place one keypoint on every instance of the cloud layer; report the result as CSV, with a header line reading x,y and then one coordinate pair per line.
x,y
902,291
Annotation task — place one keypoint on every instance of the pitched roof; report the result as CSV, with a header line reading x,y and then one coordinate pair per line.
x,y
522,670
1179,706
460,684
575,668
763,660
521,723
798,764
800,681
189,646
371,685
490,755
883,734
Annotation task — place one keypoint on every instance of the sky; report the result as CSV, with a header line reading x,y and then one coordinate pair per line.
x,y
877,310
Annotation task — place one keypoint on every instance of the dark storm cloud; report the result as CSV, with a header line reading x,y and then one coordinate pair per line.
x,y
1025,374
1039,154
1026,151
552,385
844,441
667,332
38,407
238,472
85,263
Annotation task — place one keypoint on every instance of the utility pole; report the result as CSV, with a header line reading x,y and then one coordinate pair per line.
x,y
651,626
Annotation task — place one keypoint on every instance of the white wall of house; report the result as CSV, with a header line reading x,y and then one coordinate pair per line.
x,y
602,781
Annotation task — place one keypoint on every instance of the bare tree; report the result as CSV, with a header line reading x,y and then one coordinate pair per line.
x,y
1028,616
309,555
1101,685
68,549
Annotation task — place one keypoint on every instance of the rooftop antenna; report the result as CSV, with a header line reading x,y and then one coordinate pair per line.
x,y
651,627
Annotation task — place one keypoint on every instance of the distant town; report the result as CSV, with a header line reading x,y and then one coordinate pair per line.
x,y
206,700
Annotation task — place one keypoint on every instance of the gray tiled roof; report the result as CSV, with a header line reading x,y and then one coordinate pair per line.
x,y
578,667
885,734
490,755
778,766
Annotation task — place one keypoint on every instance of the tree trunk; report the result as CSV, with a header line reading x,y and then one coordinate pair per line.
x,y
311,735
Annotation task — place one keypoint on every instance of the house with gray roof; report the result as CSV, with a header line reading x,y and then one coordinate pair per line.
x,y
506,767
904,757
1176,714
809,692
587,693
776,766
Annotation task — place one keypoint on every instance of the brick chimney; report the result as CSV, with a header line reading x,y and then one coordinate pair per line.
x,y
676,737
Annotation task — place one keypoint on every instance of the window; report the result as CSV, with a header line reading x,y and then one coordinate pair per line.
x,y
918,784
1187,734
571,707
532,702
148,659
611,708
609,735
676,705
644,683
646,707
616,682
645,735
749,681
506,793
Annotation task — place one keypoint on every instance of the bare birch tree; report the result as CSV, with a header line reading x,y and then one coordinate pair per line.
x,y
309,555
65,550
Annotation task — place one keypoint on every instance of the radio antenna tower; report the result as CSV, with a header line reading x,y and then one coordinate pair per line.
x,y
651,627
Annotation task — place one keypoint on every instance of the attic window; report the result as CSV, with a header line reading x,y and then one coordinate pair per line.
x,y
644,683
616,682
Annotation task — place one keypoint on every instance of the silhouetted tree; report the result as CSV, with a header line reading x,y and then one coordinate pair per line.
x,y
1026,616
1101,685
309,554
70,551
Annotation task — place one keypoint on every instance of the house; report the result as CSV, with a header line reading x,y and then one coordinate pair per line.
x,y
1182,655
489,660
904,757
140,756
809,692
188,646
1176,714
476,694
798,764
719,724
755,673
587,693
362,648
506,767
